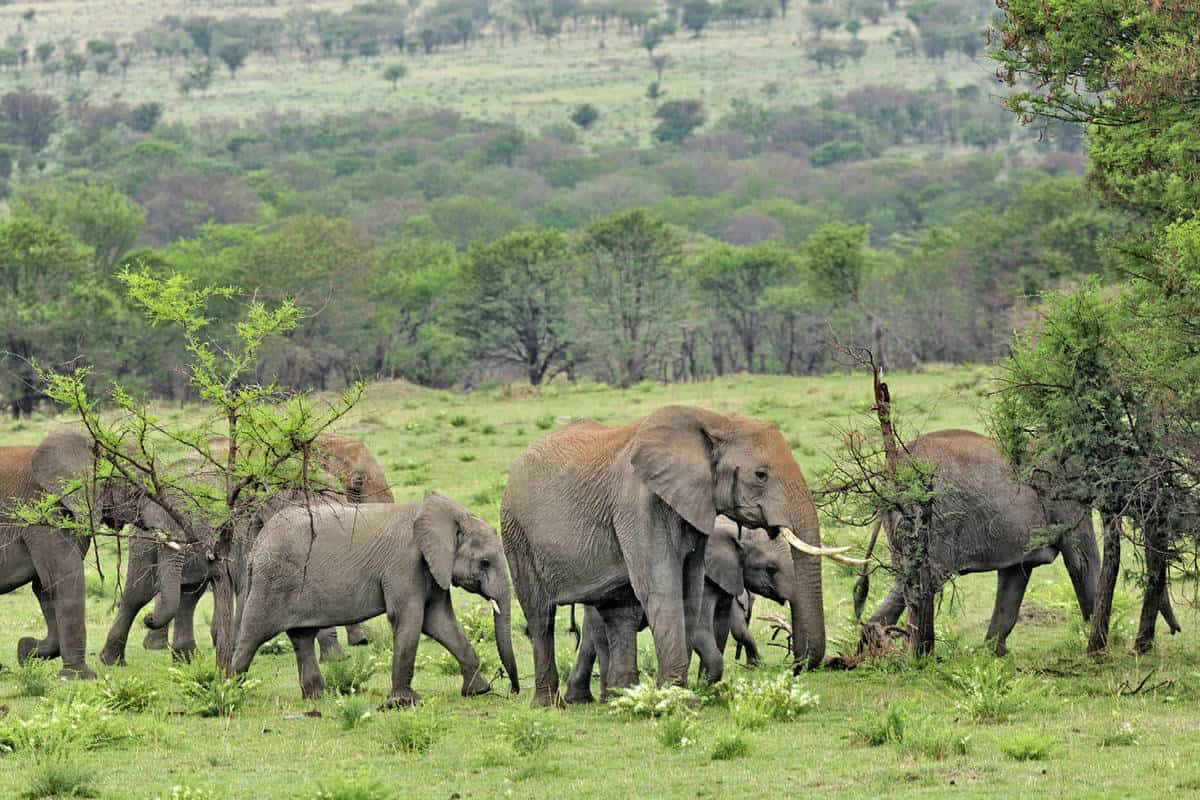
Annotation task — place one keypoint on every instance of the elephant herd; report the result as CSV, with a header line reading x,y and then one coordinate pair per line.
x,y
675,521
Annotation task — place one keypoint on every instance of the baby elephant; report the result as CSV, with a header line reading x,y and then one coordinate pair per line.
x,y
370,559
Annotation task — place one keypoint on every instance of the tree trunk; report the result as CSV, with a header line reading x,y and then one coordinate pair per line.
x,y
1110,566
223,601
922,586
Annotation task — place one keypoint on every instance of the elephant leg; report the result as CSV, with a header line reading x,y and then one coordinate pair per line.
x,y
140,588
59,566
891,608
442,626
157,638
739,626
312,683
618,654
356,636
579,682
715,614
698,617
184,642
407,620
330,649
540,619
1082,560
46,648
1010,591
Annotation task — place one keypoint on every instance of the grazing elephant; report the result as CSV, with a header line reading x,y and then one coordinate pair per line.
x,y
47,557
735,563
179,579
366,560
985,520
618,518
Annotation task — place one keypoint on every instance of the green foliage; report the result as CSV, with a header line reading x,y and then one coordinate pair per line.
x,y
529,732
185,792
350,674
989,689
59,775
361,785
1125,736
729,747
1029,746
34,678
676,731
131,693
411,731
755,702
352,711
678,119
61,725
207,692
876,729
585,115
646,700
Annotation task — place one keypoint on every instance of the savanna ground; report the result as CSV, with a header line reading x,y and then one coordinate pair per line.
x,y
1072,720
534,82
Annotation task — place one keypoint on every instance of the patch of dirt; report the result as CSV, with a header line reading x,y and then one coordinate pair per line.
x,y
1040,616
518,391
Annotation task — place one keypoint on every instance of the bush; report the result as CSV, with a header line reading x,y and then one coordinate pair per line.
x,y
528,732
349,674
932,738
66,724
358,786
59,775
276,647
676,732
755,703
207,692
646,700
351,711
730,747
129,694
1028,746
33,678
988,687
880,729
412,731
1124,737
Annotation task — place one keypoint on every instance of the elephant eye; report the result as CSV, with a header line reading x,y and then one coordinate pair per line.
x,y
760,474
484,563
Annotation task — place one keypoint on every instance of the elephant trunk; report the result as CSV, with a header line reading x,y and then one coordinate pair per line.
x,y
170,577
502,619
808,608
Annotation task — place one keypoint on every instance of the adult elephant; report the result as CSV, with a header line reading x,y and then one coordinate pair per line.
x,y
177,578
618,519
987,521
737,561
48,557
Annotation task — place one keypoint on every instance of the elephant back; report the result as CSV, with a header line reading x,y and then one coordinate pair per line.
x,y
17,481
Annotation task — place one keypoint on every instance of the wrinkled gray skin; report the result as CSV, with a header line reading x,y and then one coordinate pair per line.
x,y
987,521
366,560
50,559
182,577
733,566
618,518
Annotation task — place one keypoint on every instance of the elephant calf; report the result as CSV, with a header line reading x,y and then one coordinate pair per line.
x,y
734,564
340,564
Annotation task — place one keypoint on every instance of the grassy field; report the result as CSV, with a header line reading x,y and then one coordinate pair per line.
x,y
1077,729
533,82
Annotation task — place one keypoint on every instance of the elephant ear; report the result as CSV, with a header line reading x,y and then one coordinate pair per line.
x,y
62,458
673,455
723,558
436,531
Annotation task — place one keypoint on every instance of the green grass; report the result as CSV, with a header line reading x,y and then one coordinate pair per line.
x,y
459,745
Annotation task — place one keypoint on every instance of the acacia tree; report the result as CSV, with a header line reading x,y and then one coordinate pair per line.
x,y
266,434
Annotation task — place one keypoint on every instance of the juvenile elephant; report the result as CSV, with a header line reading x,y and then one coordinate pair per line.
x,y
618,519
47,557
366,560
735,563
985,520
177,579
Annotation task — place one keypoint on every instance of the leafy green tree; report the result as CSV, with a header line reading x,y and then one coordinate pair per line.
x,y
823,19
29,118
233,55
514,302
505,147
199,77
835,255
144,116
585,115
394,73
734,282
678,119
696,16
630,282
99,216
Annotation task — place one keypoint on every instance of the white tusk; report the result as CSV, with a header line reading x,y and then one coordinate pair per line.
x,y
495,605
854,562
809,549
173,545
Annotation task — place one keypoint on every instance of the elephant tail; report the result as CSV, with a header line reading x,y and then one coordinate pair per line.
x,y
862,587
574,629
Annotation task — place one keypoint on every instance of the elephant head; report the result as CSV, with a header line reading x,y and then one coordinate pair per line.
x,y
703,464
64,464
355,470
462,550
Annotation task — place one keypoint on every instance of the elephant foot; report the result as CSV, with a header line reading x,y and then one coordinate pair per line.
x,y
80,673
547,698
28,648
183,654
405,698
112,658
578,695
311,690
999,648
156,639
475,685
356,636
330,650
